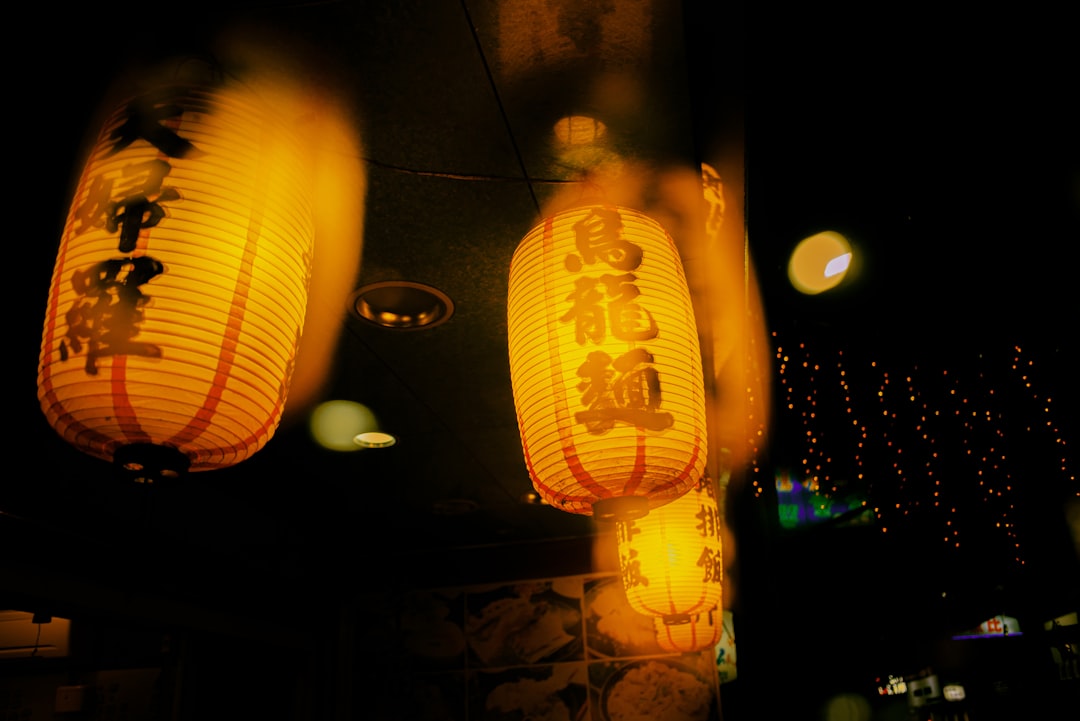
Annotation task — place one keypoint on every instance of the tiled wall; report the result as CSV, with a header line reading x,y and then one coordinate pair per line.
x,y
562,649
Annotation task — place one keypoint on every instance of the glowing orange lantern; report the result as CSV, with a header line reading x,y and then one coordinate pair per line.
x,y
700,631
605,363
180,287
671,560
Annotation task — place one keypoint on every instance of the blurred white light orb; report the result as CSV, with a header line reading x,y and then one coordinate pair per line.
x,y
819,262
334,424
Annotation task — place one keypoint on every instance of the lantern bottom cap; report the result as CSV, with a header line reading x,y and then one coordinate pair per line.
x,y
149,462
620,508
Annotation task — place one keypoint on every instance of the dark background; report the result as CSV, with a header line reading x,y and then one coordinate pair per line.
x,y
943,145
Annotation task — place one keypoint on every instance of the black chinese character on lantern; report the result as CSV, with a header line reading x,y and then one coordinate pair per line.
x,y
108,317
623,390
628,320
105,317
146,118
711,563
630,569
706,486
598,237
708,524
629,566
127,207
586,311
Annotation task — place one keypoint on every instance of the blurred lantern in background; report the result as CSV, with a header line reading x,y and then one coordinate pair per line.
x,y
179,291
605,363
671,560
701,631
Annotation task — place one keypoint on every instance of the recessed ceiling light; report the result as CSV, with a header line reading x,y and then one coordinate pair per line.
x,y
401,305
579,130
374,439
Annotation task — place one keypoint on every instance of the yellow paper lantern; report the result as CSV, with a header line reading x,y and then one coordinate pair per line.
x,y
699,632
605,363
179,291
671,561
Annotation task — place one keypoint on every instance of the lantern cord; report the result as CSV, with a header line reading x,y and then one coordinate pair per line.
x,y
498,101
465,176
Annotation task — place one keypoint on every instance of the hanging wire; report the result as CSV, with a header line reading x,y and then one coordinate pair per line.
x,y
498,101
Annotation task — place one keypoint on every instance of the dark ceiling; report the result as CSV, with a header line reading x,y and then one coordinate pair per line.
x,y
949,170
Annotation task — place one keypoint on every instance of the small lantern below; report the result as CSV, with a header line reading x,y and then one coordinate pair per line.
x,y
671,560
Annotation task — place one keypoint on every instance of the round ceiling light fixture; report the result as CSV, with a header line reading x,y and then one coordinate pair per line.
x,y
580,130
374,439
401,305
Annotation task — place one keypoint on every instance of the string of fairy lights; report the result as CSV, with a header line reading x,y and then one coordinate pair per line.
x,y
951,452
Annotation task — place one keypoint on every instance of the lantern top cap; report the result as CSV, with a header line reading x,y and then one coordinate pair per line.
x,y
676,619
